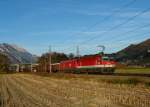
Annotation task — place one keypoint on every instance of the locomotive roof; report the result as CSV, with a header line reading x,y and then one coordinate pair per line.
x,y
90,55
86,56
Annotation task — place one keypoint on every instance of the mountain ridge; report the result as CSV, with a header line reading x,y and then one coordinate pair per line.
x,y
135,53
16,54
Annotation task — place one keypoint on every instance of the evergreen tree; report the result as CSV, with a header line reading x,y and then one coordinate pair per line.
x,y
4,63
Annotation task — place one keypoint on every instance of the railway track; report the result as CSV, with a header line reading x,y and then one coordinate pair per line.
x,y
120,74
127,74
95,74
131,74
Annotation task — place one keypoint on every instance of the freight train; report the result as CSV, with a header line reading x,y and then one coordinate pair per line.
x,y
86,64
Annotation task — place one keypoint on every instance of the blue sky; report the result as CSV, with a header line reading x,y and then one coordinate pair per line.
x,y
64,24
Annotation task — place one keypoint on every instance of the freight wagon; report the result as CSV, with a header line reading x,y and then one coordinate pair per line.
x,y
86,64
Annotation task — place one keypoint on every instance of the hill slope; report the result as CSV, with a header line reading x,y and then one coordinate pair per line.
x,y
16,54
135,53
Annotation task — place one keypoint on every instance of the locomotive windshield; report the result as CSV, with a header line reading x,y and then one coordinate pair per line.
x,y
105,58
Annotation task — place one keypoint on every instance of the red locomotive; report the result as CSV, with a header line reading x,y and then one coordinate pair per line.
x,y
87,64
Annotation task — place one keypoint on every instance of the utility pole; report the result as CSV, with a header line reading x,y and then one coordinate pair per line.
x,y
78,52
45,64
31,62
50,59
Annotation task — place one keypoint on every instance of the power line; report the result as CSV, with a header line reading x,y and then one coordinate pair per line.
x,y
133,41
107,17
112,14
137,36
119,25
130,31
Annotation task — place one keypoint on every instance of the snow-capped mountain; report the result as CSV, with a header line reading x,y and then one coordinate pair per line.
x,y
16,54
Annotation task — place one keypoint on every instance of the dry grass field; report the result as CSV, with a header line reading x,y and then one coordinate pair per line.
x,y
29,90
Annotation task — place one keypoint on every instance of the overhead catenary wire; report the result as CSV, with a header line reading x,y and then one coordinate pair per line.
x,y
107,17
139,38
128,32
116,27
122,43
124,38
112,14
143,35
119,25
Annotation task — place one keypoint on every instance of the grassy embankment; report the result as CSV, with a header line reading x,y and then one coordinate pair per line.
x,y
133,70
125,80
111,79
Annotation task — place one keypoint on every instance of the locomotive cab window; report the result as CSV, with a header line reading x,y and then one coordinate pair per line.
x,y
105,58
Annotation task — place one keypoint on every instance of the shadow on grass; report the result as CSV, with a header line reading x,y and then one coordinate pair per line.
x,y
130,81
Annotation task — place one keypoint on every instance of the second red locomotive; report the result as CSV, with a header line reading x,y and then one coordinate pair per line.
x,y
86,64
